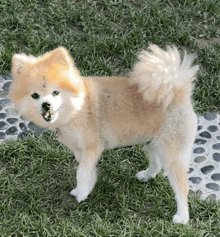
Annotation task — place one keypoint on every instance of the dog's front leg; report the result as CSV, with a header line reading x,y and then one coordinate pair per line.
x,y
86,174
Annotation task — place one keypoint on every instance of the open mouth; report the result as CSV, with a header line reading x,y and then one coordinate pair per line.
x,y
49,115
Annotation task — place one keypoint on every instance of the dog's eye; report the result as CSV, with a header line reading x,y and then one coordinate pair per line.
x,y
55,93
35,96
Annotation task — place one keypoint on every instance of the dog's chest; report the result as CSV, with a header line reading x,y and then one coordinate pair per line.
x,y
70,137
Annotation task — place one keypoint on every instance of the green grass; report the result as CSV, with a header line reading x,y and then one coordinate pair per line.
x,y
38,174
104,38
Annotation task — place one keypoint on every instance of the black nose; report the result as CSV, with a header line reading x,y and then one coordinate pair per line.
x,y
46,106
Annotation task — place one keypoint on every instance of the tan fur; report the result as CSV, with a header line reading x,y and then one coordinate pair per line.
x,y
96,113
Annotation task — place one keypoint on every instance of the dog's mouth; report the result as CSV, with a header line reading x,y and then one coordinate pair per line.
x,y
49,116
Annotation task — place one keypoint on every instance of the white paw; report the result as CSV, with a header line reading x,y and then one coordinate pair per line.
x,y
142,176
74,192
79,194
182,220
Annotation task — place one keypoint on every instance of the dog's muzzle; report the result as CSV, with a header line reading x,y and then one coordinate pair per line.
x,y
47,114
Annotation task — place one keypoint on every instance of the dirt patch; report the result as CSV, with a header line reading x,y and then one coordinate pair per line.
x,y
203,42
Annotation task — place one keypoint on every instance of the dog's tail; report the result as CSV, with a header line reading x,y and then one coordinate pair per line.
x,y
160,74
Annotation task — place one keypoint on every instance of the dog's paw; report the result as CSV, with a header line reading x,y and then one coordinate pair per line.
x,y
142,176
181,220
79,195
74,192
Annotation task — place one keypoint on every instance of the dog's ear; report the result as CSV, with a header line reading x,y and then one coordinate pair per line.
x,y
19,62
61,56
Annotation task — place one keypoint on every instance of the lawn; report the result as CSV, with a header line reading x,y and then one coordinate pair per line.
x,y
104,38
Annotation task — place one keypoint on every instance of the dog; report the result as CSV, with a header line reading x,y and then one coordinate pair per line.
x,y
150,107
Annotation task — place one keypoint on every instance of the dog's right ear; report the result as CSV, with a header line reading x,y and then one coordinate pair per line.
x,y
19,62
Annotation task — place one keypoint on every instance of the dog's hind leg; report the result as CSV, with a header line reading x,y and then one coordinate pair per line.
x,y
177,175
171,150
176,171
169,156
154,159
176,149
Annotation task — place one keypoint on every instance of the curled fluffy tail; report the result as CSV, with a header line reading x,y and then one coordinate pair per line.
x,y
160,73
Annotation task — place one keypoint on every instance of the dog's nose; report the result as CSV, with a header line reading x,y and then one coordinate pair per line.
x,y
46,106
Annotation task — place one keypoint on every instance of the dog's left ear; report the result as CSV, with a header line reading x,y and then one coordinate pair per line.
x,y
61,55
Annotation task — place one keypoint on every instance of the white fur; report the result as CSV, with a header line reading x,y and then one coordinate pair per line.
x,y
159,72
78,102
86,179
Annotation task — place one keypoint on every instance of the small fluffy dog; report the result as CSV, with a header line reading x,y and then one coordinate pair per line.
x,y
92,114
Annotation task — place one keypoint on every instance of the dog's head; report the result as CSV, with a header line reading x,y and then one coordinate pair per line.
x,y
46,89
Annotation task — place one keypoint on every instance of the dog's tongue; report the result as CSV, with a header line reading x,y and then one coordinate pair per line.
x,y
48,115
